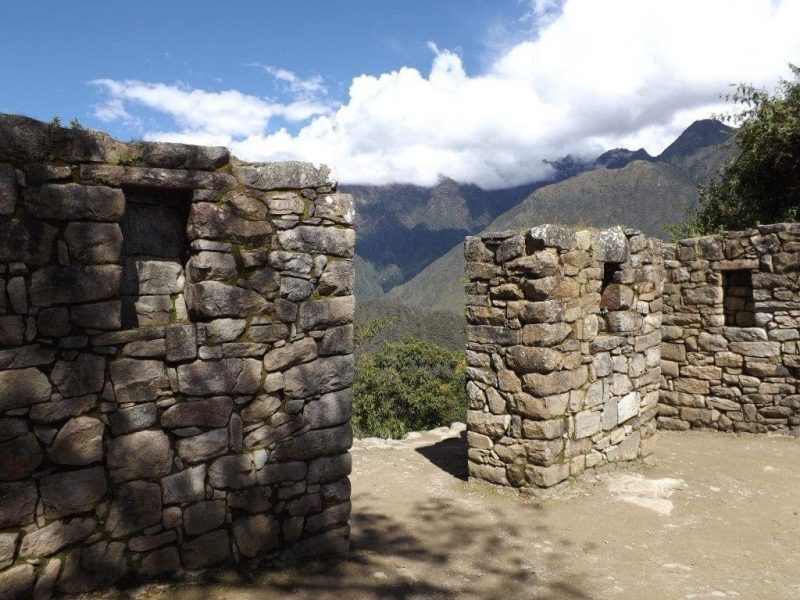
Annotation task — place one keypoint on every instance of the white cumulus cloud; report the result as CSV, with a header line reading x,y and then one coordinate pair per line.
x,y
592,76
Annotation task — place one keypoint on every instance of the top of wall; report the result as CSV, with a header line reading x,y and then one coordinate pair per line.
x,y
604,245
24,140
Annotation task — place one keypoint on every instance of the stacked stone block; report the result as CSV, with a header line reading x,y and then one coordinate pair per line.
x,y
731,346
213,431
563,352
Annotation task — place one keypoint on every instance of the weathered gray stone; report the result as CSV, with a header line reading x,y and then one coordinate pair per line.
x,y
552,236
295,289
18,501
211,265
319,377
256,534
92,243
8,190
79,442
293,353
73,492
93,567
330,410
268,333
12,330
330,312
286,203
211,412
145,349
337,340
19,457
17,582
161,562
260,409
285,175
207,550
74,284
199,448
30,242
140,455
53,322
203,516
135,418
58,410
555,383
329,468
226,376
138,380
338,279
56,536
101,315
8,549
223,222
282,472
170,179
628,406
135,506
181,341
17,295
232,472
179,156
319,240
185,486
295,262
220,330
210,299
314,443
524,359
74,202
83,375
610,245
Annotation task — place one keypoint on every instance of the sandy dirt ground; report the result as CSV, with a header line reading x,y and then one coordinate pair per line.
x,y
713,516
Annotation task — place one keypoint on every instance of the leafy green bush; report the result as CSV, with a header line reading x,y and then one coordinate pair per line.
x,y
406,386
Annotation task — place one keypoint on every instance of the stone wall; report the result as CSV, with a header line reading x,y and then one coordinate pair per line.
x,y
731,348
563,352
175,359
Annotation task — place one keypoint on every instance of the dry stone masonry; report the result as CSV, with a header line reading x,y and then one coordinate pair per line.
x,y
731,345
175,359
563,352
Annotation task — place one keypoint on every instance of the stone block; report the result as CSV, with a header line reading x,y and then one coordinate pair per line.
x,y
78,442
329,469
200,448
338,279
587,423
75,202
217,266
21,388
493,426
92,243
319,377
12,330
138,380
73,492
523,359
30,242
135,418
232,472
93,567
546,476
74,284
628,406
8,190
140,455
337,340
549,236
186,486
203,516
223,222
81,376
610,245
207,550
166,179
8,549
329,410
314,443
255,534
286,203
556,382
221,330
226,376
338,208
18,501
288,175
161,562
135,506
56,536
100,315
181,343
212,299
19,457
331,241
179,156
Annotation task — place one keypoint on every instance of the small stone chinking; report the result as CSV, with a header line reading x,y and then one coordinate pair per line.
x,y
563,352
731,345
175,359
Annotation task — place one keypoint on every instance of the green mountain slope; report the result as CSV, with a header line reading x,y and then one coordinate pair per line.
x,y
643,194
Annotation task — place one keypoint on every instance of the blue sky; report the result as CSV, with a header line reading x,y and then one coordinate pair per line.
x,y
50,50
394,91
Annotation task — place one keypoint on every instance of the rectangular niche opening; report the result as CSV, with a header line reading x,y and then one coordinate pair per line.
x,y
610,269
154,254
738,302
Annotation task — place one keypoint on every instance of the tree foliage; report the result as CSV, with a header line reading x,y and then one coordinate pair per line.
x,y
761,184
406,386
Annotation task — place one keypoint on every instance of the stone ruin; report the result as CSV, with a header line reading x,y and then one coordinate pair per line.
x,y
562,352
581,344
731,345
175,359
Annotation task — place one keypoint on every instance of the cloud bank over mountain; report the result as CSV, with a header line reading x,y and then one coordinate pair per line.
x,y
593,76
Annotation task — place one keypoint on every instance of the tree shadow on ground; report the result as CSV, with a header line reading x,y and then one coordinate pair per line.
x,y
450,455
437,549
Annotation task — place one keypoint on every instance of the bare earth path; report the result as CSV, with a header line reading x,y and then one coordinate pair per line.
x,y
715,517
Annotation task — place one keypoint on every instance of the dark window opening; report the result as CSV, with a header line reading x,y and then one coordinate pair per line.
x,y
154,251
738,302
610,271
